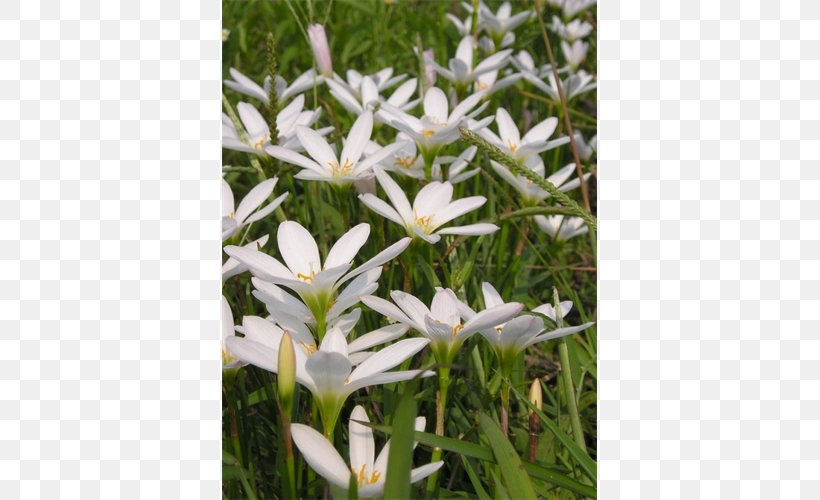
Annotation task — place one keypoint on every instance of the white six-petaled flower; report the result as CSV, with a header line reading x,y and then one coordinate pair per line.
x,y
324,165
284,92
560,227
431,209
370,470
462,71
248,211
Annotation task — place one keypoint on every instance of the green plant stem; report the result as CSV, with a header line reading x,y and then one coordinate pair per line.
x,y
230,379
290,463
566,375
505,409
518,169
441,409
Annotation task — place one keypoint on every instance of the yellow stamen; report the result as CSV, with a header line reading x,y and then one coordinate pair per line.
x,y
427,133
481,85
513,146
457,329
499,329
405,161
342,171
310,348
305,277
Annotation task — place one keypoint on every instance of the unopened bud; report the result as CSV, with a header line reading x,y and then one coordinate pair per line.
x,y
321,50
286,378
536,398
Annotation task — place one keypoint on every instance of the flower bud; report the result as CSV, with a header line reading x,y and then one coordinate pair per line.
x,y
321,51
429,69
286,379
535,394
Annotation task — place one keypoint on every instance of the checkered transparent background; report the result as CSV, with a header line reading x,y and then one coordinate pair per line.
x,y
109,240
709,249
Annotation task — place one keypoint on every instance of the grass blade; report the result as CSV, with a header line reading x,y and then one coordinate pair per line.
x,y
400,457
512,470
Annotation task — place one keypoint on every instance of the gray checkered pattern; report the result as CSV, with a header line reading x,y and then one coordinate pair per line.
x,y
109,249
709,298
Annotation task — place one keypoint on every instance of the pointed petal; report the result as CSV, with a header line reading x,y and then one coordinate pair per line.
x,y
445,308
560,332
390,311
362,444
260,264
316,147
387,378
254,353
413,307
334,341
506,128
293,158
493,316
232,267
542,131
298,249
227,320
255,198
377,337
470,229
328,371
420,473
402,94
268,209
227,200
491,296
464,51
346,322
321,455
251,119
432,198
435,104
357,139
380,207
379,259
348,246
388,358
395,194
457,209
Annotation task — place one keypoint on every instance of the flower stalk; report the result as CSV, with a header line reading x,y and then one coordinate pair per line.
x,y
566,375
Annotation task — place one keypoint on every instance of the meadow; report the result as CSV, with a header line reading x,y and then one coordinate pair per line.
x,y
409,249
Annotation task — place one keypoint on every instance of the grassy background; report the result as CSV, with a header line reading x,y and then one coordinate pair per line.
x,y
520,260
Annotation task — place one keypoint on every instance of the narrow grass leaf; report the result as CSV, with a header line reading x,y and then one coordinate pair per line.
x,y
512,470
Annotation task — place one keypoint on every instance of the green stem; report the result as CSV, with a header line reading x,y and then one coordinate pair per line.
x,y
566,376
230,379
441,408
505,409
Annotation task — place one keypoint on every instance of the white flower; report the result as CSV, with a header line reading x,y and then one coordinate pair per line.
x,y
321,51
501,24
406,161
258,133
573,86
284,92
530,191
571,8
229,361
234,219
383,80
368,94
225,34
575,53
442,322
585,149
527,148
316,281
431,209
461,67
489,82
325,165
571,31
232,267
327,372
436,128
524,63
560,227
370,471
464,27
509,338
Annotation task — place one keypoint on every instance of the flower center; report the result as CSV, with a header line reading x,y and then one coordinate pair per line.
x,y
310,348
306,278
342,171
406,161
362,478
423,222
261,142
513,146
427,133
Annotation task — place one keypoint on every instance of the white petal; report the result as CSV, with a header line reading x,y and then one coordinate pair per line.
x,y
348,246
470,229
357,139
378,156
321,455
316,147
506,128
227,200
433,197
293,158
261,331
232,267
457,209
298,249
390,311
413,307
560,332
542,131
253,353
328,371
227,320
334,341
444,307
271,294
395,194
251,119
465,106
491,296
403,93
495,61
380,207
328,278
260,264
362,445
464,51
435,104
377,337
255,198
268,209
387,378
346,322
420,473
379,259
389,357
491,317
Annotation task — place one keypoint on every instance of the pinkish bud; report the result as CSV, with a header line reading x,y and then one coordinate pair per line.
x,y
321,51
429,70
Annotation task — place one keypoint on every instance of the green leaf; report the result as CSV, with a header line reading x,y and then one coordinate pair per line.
x,y
481,493
400,457
512,470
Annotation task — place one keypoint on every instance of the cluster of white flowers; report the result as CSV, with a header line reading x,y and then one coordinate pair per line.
x,y
313,297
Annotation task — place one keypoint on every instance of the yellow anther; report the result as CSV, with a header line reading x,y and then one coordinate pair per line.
x,y
310,348
499,329
513,146
427,133
457,329
423,221
305,277
405,161
342,171
481,85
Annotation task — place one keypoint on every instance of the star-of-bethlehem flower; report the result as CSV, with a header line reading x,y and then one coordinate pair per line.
x,y
509,338
526,149
357,102
406,161
257,133
574,53
233,267
436,128
370,470
442,323
248,211
573,86
572,8
284,92
383,80
461,70
327,372
560,227
499,25
431,209
314,280
573,30
324,165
